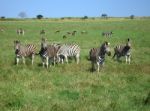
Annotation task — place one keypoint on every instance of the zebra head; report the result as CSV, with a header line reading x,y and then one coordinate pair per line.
x,y
105,49
17,46
43,47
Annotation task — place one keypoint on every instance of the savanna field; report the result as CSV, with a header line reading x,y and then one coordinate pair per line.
x,y
71,87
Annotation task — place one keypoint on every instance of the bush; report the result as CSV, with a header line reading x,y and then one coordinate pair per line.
x,y
39,16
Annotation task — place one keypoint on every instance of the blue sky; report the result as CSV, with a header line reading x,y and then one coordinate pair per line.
x,y
74,8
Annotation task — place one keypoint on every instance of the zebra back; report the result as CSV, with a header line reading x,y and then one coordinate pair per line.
x,y
69,50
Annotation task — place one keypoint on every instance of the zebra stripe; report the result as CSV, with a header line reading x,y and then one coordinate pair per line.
x,y
24,51
97,55
69,50
123,50
48,52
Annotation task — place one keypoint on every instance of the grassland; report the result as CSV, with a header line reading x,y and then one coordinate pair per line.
x,y
72,87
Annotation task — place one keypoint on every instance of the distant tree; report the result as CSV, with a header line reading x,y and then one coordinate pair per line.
x,y
85,17
104,16
22,14
131,16
62,18
39,16
3,17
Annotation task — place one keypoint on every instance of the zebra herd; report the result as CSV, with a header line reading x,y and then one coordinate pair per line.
x,y
48,52
57,53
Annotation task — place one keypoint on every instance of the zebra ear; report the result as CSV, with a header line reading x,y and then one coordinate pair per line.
x,y
128,39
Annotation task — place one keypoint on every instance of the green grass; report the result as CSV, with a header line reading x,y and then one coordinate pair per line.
x,y
72,87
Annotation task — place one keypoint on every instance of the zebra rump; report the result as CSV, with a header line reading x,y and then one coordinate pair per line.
x,y
69,50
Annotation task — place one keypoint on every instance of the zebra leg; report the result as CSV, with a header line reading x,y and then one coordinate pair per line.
x,y
32,58
97,66
43,62
118,58
129,59
114,56
66,58
47,62
54,61
23,59
17,60
126,59
77,58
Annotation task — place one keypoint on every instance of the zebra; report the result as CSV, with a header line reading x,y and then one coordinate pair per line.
x,y
97,55
20,31
42,32
68,50
64,36
107,34
48,52
22,51
74,33
57,31
123,50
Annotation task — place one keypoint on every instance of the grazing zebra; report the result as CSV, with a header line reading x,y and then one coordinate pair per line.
x,y
69,50
24,51
20,31
123,50
64,36
69,33
107,34
57,31
48,52
97,55
42,32
74,33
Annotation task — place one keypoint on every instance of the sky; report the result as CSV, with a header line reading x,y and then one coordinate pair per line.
x,y
74,8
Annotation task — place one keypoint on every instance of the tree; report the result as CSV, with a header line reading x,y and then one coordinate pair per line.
x,y
3,17
39,16
22,15
85,17
131,16
104,16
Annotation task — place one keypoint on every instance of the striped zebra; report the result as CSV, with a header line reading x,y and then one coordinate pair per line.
x,y
97,55
22,51
48,53
20,31
69,50
107,34
42,32
123,50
